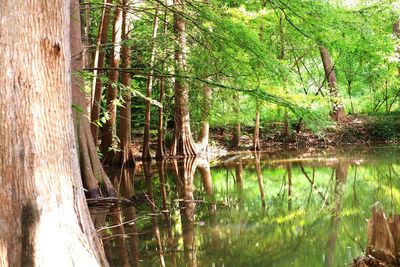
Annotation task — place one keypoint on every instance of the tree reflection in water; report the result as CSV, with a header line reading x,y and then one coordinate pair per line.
x,y
305,214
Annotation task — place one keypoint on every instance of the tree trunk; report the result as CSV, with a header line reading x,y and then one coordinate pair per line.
x,y
205,125
99,57
236,133
91,169
45,220
125,155
256,136
149,88
182,144
85,29
108,141
338,112
160,132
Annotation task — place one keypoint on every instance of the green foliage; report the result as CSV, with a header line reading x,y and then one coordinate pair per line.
x,y
384,128
266,58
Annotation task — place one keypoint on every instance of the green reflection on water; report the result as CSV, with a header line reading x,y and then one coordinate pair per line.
x,y
313,214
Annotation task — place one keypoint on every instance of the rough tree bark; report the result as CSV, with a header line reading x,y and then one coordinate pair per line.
x,y
182,144
44,216
109,128
91,168
149,88
338,112
125,155
97,85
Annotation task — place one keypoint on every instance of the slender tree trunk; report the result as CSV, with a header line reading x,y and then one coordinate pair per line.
x,y
149,88
338,112
125,155
160,132
205,125
109,128
91,169
99,58
236,133
182,144
44,216
85,26
256,136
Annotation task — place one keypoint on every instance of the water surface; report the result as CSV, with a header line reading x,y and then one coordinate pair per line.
x,y
301,208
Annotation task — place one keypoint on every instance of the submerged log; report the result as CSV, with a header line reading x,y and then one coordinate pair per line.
x,y
383,241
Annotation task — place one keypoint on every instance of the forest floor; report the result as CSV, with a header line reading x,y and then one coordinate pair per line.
x,y
355,130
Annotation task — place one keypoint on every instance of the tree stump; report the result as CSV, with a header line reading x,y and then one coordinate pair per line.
x,y
383,241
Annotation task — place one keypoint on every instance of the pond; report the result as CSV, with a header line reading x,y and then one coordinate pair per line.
x,y
299,208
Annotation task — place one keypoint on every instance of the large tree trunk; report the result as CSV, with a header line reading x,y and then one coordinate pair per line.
x,y
125,155
109,128
45,220
149,88
338,112
182,144
91,168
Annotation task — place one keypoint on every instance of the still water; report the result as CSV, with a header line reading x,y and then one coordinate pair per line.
x,y
299,208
